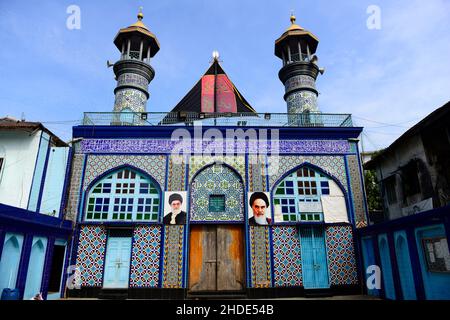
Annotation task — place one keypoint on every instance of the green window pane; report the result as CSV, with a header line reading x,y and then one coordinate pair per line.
x,y
96,215
154,217
91,200
139,216
89,215
285,218
276,201
90,208
147,216
155,201
280,191
129,216
115,216
216,203
104,216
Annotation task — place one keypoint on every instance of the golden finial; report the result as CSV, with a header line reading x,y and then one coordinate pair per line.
x,y
140,14
292,17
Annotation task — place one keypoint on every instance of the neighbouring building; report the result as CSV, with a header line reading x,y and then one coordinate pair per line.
x,y
411,242
34,235
273,219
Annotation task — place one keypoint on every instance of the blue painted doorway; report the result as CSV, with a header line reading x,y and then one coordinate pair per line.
x,y
314,258
35,268
117,262
10,260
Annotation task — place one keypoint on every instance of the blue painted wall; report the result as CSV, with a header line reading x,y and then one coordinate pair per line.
x,y
386,267
436,284
368,253
404,266
54,180
10,260
35,268
39,172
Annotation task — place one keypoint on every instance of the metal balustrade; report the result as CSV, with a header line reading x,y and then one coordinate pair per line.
x,y
216,119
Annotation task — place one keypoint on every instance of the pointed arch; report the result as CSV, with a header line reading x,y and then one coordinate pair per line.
x,y
309,193
10,260
123,193
217,193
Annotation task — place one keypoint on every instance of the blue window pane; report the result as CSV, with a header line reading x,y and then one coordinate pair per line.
x,y
324,184
284,210
289,184
325,191
289,191
140,201
98,208
140,208
106,201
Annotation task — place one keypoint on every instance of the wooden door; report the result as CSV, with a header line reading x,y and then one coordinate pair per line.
x,y
216,260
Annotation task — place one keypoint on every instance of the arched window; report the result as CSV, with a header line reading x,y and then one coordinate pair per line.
x,y
123,195
302,188
299,196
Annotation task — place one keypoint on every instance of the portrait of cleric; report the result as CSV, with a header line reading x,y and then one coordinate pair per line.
x,y
259,204
175,208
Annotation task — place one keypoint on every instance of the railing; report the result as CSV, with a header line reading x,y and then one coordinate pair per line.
x,y
217,119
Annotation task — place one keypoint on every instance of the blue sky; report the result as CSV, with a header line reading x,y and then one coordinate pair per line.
x,y
388,79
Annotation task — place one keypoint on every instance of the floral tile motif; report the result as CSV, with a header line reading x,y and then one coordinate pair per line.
x,y
357,191
222,181
176,174
145,257
197,163
155,166
333,165
173,256
287,262
257,173
91,255
260,257
341,255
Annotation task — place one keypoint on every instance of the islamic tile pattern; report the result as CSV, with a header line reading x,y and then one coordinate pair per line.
x,y
145,257
177,174
217,180
173,256
91,253
257,173
154,165
196,163
75,186
132,99
287,260
158,146
357,192
132,79
341,255
333,165
260,256
302,101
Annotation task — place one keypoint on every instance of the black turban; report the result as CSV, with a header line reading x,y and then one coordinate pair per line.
x,y
259,195
174,197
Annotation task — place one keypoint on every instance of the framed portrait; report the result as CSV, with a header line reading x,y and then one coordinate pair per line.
x,y
175,211
258,208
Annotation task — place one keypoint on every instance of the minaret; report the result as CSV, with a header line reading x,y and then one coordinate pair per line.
x,y
133,71
297,48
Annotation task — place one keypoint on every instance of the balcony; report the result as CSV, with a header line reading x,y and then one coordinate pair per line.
x,y
216,119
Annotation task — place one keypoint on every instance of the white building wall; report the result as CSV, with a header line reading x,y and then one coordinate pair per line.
x,y
411,148
19,150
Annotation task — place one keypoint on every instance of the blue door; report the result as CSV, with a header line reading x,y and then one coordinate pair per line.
x,y
314,258
404,266
35,268
369,260
386,267
117,262
10,260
